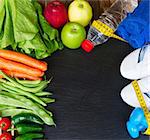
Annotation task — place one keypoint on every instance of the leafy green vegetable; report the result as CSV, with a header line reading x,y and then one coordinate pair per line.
x,y
2,13
16,95
49,34
24,19
7,32
23,28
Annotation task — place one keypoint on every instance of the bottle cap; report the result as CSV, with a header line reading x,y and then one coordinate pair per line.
x,y
87,45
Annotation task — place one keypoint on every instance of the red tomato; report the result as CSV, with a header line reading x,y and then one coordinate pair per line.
x,y
56,14
5,136
5,123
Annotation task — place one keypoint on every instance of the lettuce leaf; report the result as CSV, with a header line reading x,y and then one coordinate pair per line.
x,y
24,20
35,47
2,13
24,29
50,35
7,37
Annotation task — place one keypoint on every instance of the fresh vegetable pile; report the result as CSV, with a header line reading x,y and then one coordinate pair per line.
x,y
26,126
22,96
24,101
20,65
25,36
24,29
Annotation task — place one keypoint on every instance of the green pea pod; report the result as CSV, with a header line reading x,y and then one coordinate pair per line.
x,y
28,128
30,136
47,100
26,117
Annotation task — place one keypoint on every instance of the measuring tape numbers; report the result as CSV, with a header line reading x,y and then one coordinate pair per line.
x,y
142,104
106,30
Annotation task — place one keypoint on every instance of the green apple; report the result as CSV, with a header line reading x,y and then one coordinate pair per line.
x,y
72,35
80,11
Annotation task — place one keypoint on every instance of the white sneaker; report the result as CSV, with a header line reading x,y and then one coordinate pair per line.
x,y
137,64
129,96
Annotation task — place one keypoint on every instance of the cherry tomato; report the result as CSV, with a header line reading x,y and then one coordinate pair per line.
x,y
5,136
5,123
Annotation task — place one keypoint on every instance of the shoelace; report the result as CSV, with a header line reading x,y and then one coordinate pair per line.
x,y
142,53
147,94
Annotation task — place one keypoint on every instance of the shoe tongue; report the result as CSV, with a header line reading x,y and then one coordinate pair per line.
x,y
144,54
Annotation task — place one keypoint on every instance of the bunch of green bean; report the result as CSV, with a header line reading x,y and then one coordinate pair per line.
x,y
25,96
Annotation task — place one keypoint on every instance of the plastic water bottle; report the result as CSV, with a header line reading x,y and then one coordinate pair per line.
x,y
106,25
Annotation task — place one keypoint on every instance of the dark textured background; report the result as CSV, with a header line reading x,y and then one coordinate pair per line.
x,y
87,91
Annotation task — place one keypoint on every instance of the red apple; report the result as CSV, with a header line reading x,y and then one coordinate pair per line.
x,y
56,14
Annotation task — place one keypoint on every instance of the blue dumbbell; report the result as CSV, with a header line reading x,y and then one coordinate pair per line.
x,y
137,123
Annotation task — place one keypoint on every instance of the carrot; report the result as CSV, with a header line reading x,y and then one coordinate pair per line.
x,y
18,67
22,58
1,76
20,75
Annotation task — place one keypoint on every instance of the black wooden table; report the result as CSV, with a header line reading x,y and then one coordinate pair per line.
x,y
87,91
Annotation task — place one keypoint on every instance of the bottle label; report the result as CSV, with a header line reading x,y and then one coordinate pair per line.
x,y
106,30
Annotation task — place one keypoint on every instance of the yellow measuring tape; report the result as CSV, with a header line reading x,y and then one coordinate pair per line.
x,y
143,105
106,30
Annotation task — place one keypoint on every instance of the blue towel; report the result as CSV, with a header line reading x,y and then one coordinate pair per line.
x,y
135,28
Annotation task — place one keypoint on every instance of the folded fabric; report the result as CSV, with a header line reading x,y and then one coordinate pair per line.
x,y
136,28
